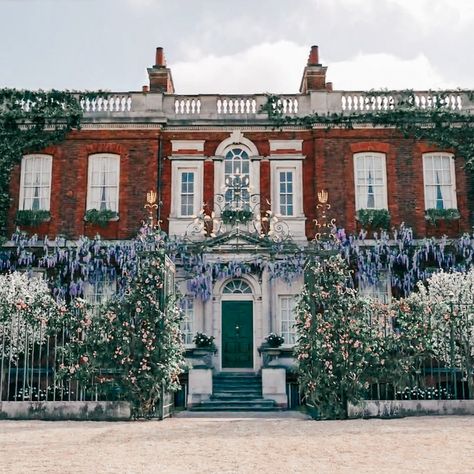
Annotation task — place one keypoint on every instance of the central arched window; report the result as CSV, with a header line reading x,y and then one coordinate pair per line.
x,y
237,179
237,287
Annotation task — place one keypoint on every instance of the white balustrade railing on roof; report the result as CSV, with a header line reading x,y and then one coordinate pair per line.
x,y
364,102
110,103
213,107
187,105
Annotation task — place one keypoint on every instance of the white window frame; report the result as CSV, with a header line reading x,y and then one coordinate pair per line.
x,y
97,298
361,157
289,335
295,167
195,193
178,167
429,157
46,164
236,140
115,160
188,321
286,183
380,290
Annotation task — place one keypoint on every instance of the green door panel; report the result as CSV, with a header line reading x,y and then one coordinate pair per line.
x,y
237,334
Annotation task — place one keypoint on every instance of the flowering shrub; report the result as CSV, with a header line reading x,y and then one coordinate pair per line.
x,y
203,340
447,303
334,347
274,340
136,339
26,306
346,343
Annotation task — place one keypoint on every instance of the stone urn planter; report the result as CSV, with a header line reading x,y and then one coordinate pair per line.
x,y
201,357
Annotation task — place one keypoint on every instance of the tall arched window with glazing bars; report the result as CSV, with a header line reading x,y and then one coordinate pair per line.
x,y
237,179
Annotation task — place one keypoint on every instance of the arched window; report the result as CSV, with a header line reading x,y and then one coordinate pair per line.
x,y
237,178
237,287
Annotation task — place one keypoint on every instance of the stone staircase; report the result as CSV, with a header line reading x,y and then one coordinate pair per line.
x,y
236,391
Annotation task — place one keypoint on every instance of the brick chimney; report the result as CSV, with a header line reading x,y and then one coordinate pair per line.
x,y
314,75
159,75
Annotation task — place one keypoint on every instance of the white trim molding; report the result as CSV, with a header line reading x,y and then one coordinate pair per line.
x,y
178,222
296,221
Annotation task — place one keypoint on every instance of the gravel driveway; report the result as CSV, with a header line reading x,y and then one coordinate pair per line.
x,y
235,443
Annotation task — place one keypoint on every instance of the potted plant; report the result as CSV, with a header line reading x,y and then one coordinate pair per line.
x,y
274,340
203,341
234,216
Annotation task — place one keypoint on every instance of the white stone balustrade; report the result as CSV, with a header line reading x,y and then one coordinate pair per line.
x,y
109,103
168,107
364,102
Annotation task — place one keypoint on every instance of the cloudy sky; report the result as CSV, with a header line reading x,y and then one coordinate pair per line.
x,y
236,46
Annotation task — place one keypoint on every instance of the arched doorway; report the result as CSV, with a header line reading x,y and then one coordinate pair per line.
x,y
237,325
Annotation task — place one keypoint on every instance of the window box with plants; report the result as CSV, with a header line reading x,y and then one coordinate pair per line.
x,y
433,216
101,217
373,219
236,216
32,218
440,222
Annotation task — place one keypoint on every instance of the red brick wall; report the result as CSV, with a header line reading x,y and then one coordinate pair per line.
x,y
328,164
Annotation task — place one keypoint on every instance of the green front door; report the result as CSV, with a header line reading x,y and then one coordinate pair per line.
x,y
237,334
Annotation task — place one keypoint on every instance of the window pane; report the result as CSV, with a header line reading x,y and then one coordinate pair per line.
x,y
287,319
438,181
36,182
103,182
370,180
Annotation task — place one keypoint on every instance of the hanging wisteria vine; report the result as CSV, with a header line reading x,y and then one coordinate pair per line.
x,y
70,265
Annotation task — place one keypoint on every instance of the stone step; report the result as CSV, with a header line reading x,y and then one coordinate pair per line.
x,y
235,396
237,381
236,386
239,403
233,408
237,391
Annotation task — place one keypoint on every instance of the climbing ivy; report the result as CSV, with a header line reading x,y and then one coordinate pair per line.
x,y
436,123
29,122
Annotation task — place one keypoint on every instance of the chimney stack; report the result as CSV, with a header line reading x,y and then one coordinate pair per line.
x,y
159,57
313,59
314,74
159,75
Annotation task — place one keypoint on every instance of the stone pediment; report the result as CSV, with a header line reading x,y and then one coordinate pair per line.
x,y
237,240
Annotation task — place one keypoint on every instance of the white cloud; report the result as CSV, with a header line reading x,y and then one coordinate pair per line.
x,y
278,67
267,67
377,71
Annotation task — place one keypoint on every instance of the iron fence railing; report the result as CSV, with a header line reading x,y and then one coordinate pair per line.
x,y
30,359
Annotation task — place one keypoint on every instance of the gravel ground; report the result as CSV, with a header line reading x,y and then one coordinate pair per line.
x,y
234,443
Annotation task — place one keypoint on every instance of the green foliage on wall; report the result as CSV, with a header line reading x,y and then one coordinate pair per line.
x,y
29,122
